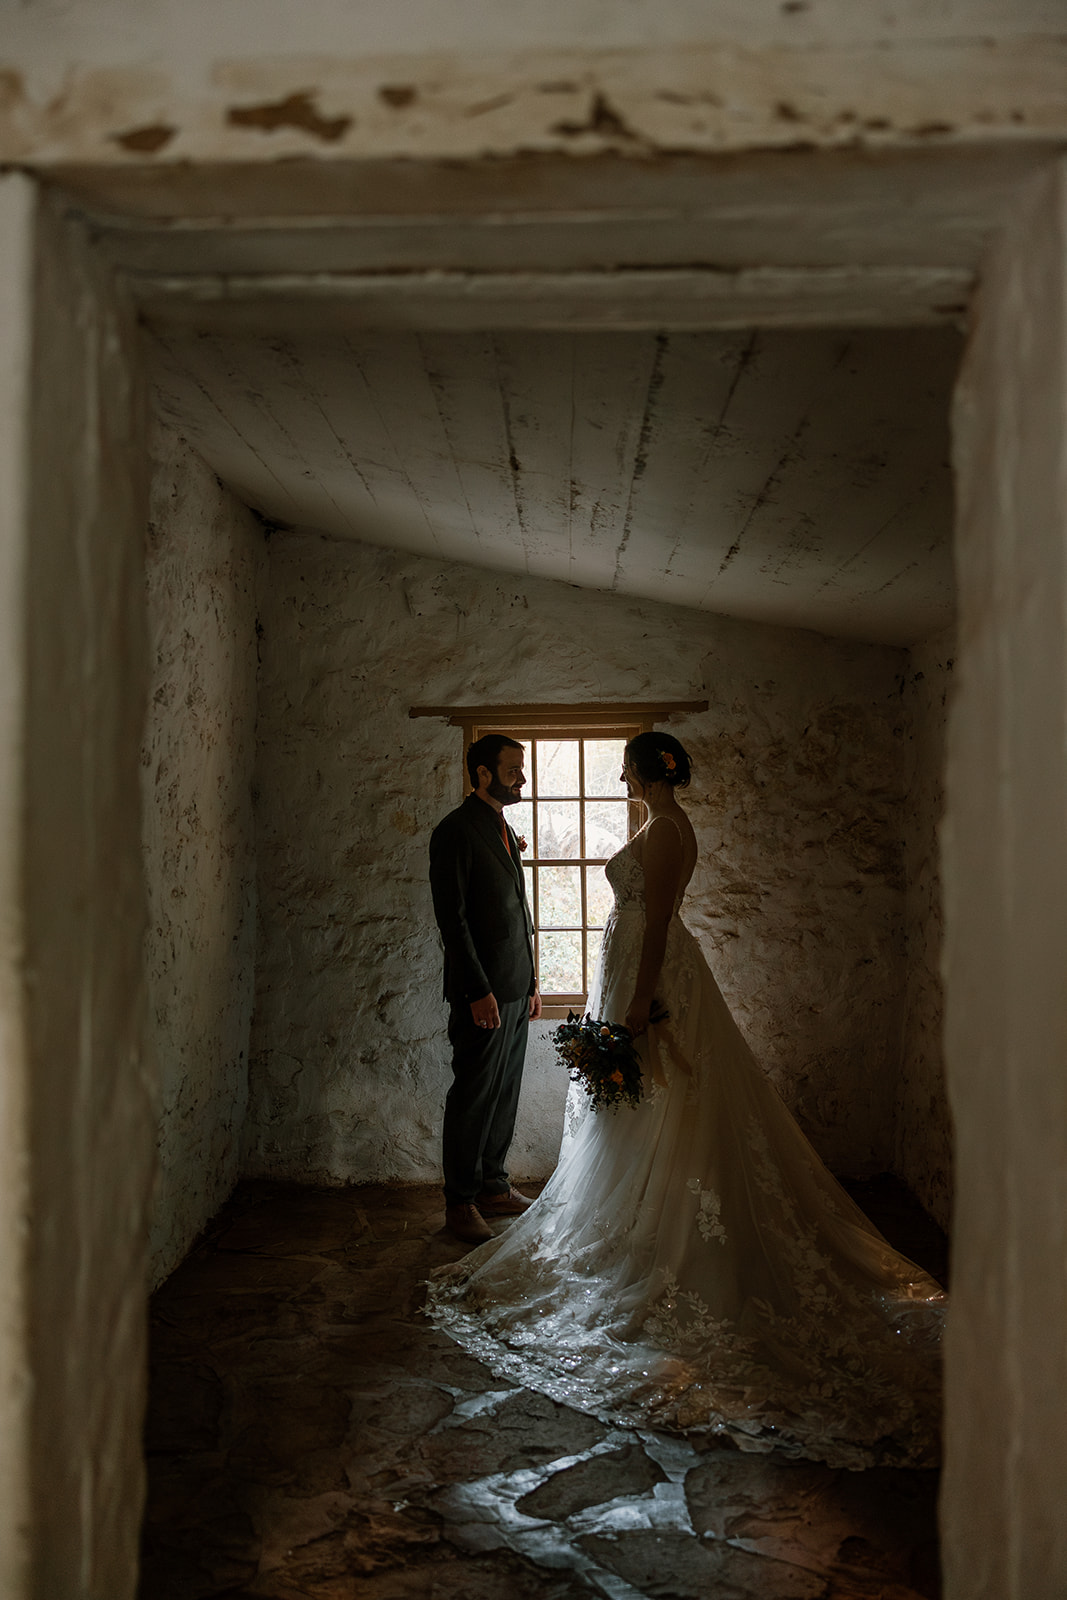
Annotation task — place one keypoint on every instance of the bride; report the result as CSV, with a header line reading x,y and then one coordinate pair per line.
x,y
692,1265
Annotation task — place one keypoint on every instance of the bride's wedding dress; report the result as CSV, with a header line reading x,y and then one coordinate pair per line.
x,y
692,1265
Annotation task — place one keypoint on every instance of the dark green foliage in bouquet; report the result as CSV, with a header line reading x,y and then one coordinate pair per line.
x,y
601,1057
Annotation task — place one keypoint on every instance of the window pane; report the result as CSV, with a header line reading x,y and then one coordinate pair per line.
x,y
594,939
605,827
561,897
561,963
598,896
557,767
557,829
528,874
603,763
520,818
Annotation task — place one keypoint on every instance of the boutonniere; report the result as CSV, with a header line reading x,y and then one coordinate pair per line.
x,y
521,842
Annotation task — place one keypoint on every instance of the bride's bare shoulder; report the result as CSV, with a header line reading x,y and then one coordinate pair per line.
x,y
676,820
664,827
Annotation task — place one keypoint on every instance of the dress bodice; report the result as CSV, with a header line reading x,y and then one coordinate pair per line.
x,y
626,876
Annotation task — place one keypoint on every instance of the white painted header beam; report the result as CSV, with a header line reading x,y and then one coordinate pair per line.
x,y
113,81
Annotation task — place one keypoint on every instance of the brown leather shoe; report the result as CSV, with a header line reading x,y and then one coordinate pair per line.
x,y
509,1204
467,1223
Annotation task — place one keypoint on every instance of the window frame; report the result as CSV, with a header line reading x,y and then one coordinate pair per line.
x,y
526,723
528,733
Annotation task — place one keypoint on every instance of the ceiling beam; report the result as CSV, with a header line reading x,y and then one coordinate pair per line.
x,y
630,301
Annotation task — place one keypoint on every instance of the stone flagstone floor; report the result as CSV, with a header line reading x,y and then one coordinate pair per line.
x,y
311,1437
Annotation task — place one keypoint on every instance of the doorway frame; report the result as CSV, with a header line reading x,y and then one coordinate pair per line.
x,y
1006,788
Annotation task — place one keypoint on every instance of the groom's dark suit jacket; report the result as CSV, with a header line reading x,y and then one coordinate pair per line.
x,y
479,900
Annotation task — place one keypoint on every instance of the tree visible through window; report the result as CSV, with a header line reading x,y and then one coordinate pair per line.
x,y
575,818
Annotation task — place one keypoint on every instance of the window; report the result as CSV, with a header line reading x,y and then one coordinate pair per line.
x,y
574,816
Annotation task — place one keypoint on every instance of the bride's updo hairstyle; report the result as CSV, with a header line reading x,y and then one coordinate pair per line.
x,y
659,758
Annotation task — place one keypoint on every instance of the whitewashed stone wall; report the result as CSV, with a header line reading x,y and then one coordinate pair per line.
x,y
797,800
923,1126
202,551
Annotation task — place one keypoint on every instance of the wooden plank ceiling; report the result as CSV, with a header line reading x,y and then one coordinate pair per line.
x,y
797,477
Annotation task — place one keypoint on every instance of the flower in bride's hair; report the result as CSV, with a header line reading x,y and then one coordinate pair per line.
x,y
667,759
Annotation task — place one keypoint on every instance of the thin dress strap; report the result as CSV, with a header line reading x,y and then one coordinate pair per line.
x,y
666,817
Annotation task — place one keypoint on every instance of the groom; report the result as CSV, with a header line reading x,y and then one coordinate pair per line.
x,y
479,900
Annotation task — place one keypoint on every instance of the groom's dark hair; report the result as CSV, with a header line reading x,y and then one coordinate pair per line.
x,y
485,752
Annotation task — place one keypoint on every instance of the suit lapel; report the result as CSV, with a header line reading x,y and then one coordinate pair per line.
x,y
485,819
513,853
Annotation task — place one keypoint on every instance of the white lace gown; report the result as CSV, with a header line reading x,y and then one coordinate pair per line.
x,y
692,1265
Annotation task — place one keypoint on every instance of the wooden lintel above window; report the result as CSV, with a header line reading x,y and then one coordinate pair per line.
x,y
591,714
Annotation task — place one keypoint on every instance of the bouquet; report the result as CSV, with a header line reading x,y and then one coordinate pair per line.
x,y
601,1057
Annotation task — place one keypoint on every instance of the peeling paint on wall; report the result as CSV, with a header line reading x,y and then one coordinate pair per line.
x,y
398,95
296,110
499,80
148,140
603,119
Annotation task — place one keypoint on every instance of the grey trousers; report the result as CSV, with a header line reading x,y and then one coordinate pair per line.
x,y
481,1104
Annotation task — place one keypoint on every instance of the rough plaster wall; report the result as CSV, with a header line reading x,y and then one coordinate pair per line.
x,y
202,550
922,1124
1005,865
89,1093
797,801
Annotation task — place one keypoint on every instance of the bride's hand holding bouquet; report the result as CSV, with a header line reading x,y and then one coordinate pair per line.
x,y
641,1012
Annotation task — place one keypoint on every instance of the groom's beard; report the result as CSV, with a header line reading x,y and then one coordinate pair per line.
x,y
506,797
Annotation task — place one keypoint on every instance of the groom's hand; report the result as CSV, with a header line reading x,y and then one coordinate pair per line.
x,y
535,1006
486,1012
